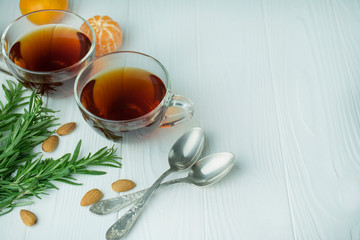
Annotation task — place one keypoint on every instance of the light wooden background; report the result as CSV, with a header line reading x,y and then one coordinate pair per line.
x,y
276,82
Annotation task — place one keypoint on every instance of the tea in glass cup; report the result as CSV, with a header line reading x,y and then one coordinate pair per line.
x,y
128,92
47,56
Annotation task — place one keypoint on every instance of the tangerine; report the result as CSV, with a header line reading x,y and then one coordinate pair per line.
x,y
108,34
27,6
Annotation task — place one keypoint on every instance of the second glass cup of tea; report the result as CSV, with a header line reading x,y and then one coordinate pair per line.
x,y
45,50
128,92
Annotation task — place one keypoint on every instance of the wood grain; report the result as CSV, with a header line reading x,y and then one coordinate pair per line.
x,y
274,82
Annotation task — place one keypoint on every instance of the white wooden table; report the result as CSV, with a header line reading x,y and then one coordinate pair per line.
x,y
275,82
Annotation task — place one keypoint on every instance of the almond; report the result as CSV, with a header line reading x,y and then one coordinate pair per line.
x,y
50,143
123,185
66,128
28,217
91,197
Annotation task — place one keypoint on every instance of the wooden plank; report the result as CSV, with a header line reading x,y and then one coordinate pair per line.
x,y
274,82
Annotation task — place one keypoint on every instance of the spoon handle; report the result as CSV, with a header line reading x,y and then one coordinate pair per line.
x,y
123,225
114,204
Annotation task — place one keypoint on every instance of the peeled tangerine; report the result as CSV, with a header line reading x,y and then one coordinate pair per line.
x,y
108,34
27,6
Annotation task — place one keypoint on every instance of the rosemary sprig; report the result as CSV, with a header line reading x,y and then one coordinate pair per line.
x,y
35,177
21,132
15,99
23,173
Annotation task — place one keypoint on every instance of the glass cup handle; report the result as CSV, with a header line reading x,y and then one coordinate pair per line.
x,y
180,109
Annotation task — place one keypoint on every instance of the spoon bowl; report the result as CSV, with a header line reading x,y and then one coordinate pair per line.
x,y
211,169
186,150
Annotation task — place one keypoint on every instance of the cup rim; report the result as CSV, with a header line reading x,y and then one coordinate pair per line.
x,y
167,94
81,61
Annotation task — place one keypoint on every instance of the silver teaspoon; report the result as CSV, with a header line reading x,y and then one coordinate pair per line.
x,y
183,154
205,171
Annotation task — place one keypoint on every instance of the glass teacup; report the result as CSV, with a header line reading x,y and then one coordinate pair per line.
x,y
128,92
45,50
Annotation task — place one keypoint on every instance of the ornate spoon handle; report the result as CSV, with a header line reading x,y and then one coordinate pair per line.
x,y
123,225
114,204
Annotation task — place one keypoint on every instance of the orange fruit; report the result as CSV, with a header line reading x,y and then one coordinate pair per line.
x,y
108,34
27,6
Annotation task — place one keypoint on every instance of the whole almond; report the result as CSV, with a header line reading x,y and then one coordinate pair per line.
x,y
28,217
66,128
91,197
123,185
50,143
